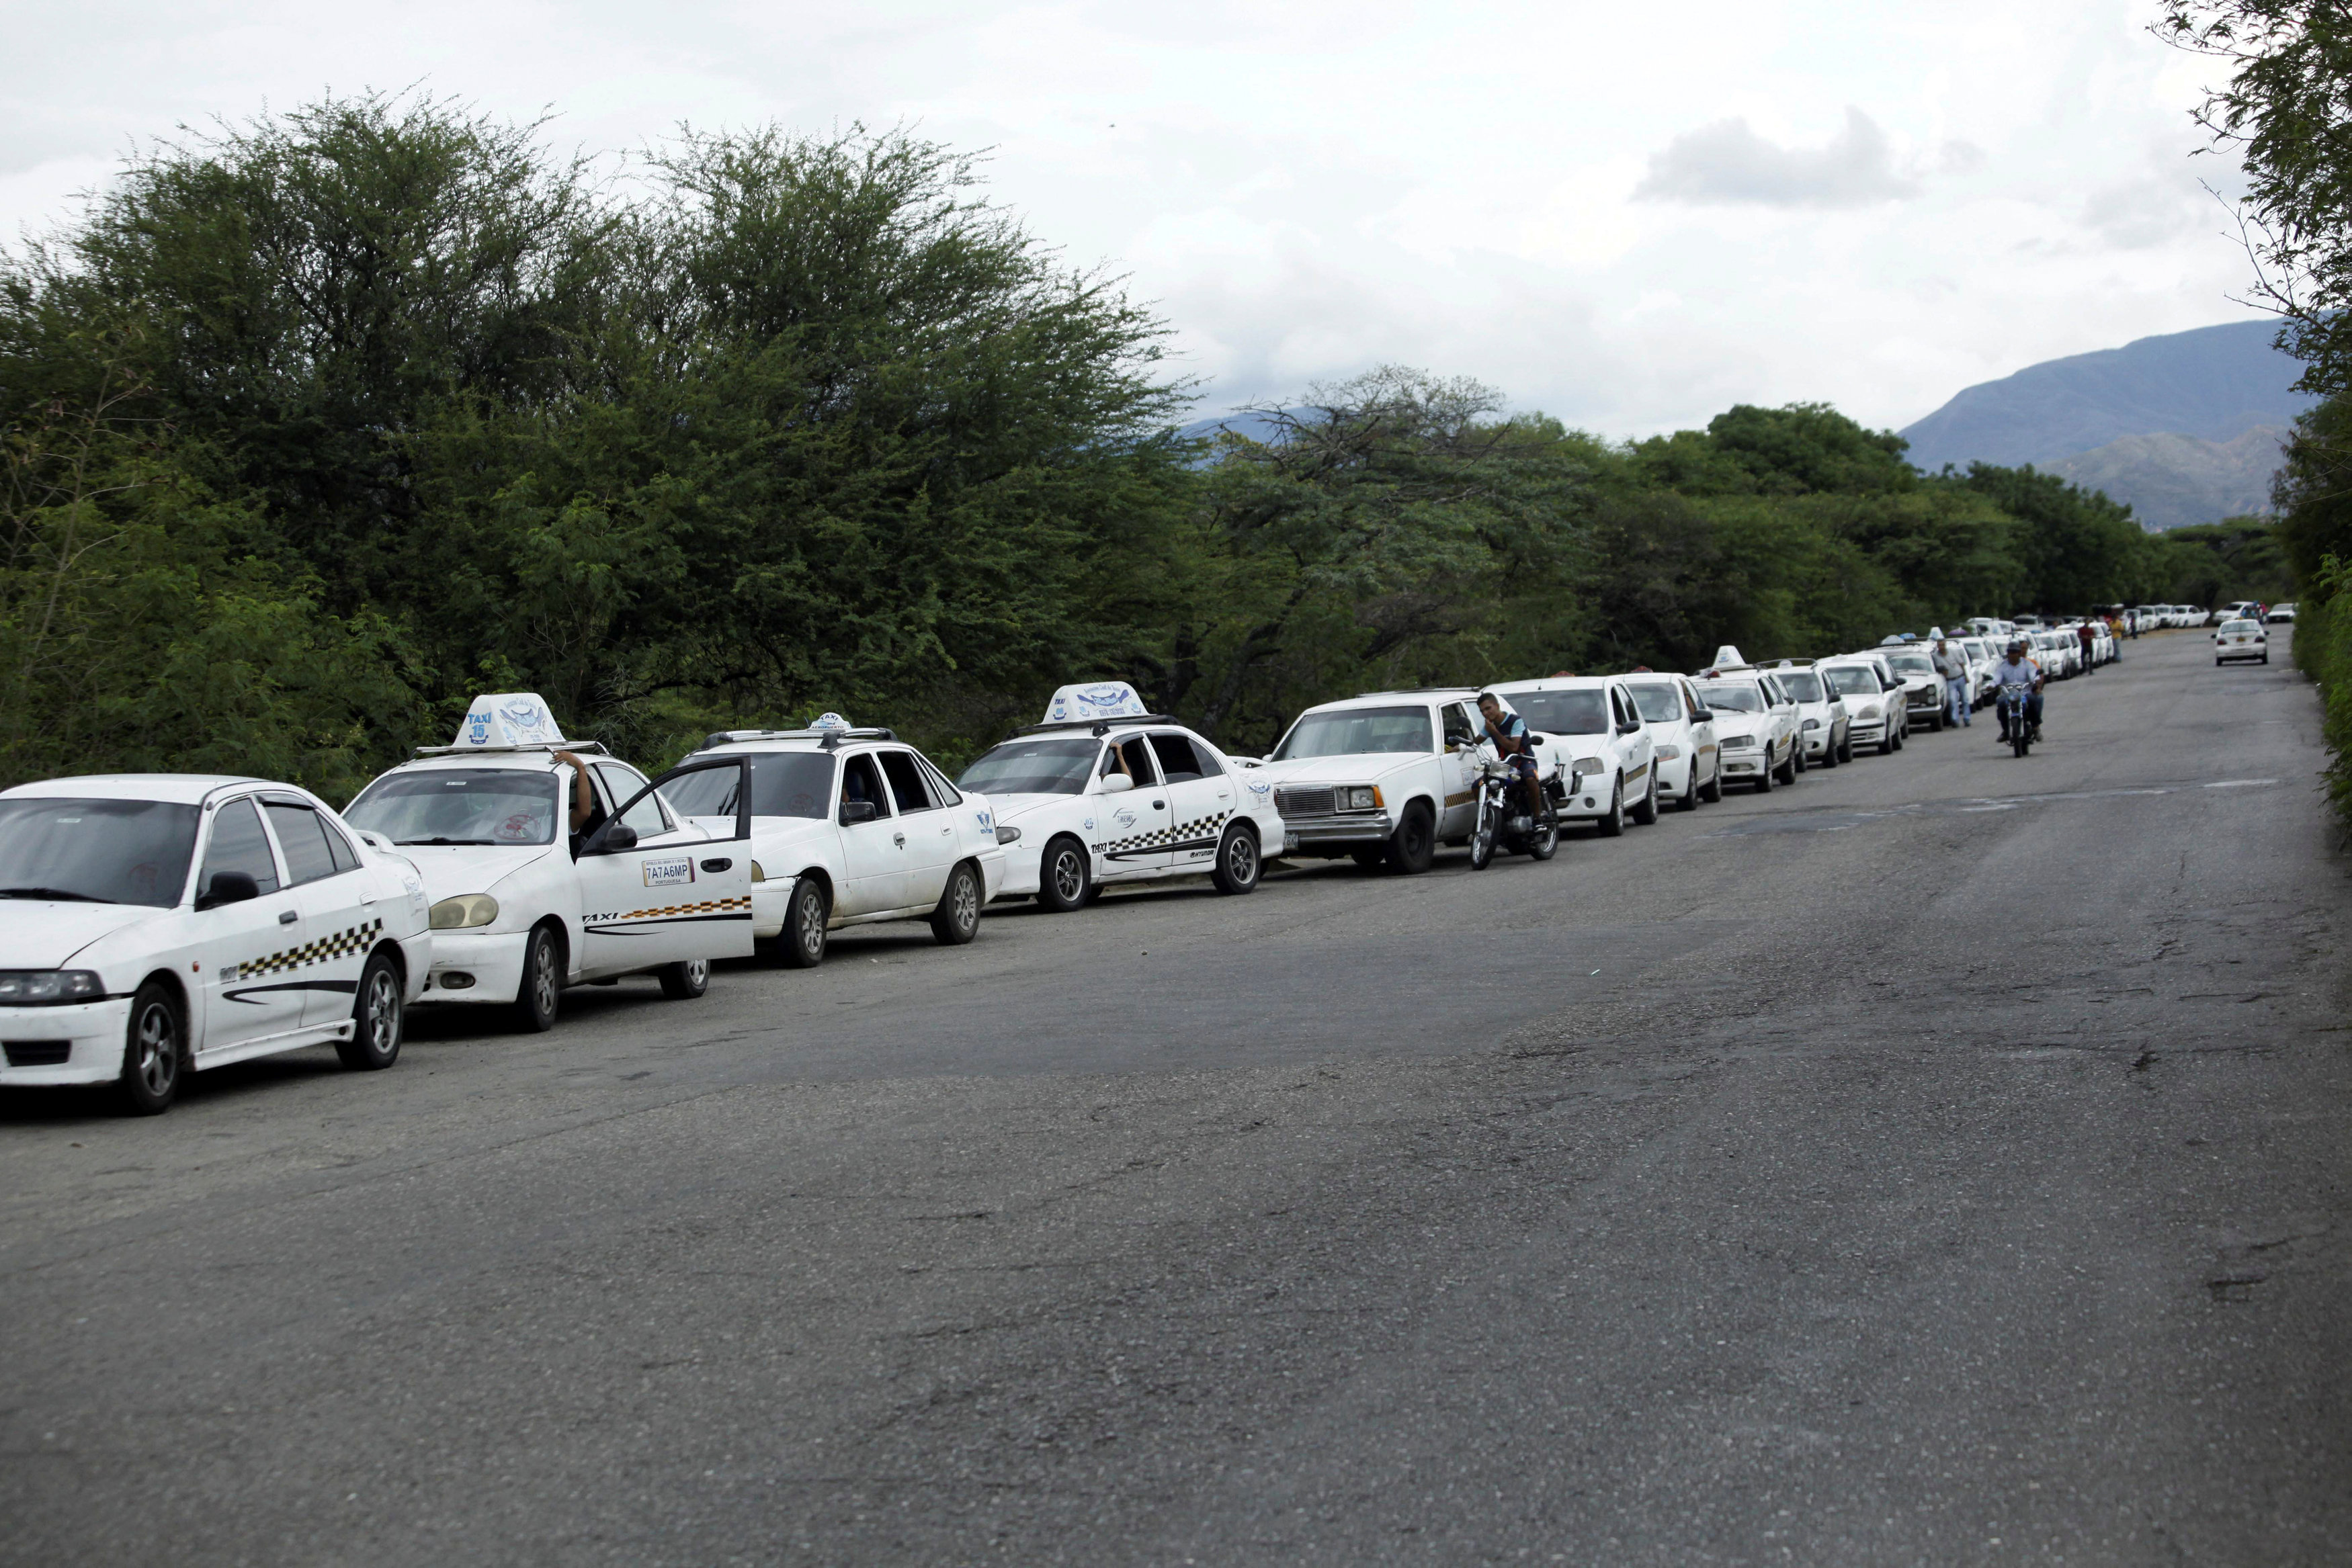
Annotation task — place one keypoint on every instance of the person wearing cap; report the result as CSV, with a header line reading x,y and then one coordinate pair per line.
x,y
2020,670
1953,665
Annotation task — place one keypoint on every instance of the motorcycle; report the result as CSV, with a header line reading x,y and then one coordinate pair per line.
x,y
2012,716
1502,825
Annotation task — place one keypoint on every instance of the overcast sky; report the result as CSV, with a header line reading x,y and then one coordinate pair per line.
x,y
1631,217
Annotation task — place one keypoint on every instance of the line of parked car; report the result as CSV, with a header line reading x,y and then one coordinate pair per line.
x,y
152,925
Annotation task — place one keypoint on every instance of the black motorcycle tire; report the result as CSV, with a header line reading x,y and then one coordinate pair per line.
x,y
1544,842
1482,835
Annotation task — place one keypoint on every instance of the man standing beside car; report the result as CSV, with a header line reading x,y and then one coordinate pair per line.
x,y
1952,667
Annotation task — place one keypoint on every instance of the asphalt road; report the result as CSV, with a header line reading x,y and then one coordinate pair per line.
x,y
1942,1161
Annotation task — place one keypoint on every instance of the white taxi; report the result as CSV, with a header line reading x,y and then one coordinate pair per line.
x,y
1756,725
849,827
156,924
1872,697
2241,639
529,894
1824,727
1595,724
1103,793
1382,778
1682,735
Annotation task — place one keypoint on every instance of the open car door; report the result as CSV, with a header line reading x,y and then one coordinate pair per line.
x,y
645,905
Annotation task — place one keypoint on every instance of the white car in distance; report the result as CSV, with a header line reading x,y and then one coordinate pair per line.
x,y
1609,753
2242,638
847,827
1381,778
1109,794
1682,736
1756,724
1824,729
159,925
1873,697
522,907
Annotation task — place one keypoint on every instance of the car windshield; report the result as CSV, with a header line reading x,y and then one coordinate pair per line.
x,y
460,806
1656,703
783,784
1733,698
1911,664
1034,767
1354,731
1566,712
1803,685
95,851
1852,681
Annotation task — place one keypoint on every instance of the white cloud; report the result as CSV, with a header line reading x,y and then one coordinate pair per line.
x,y
1314,188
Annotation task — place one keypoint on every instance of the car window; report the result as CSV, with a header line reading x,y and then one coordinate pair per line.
x,y
303,840
100,851
1658,704
1584,712
463,806
1138,757
1177,763
645,818
237,844
1734,698
1034,767
783,784
1357,731
943,792
1803,685
1852,680
907,782
860,782
1206,757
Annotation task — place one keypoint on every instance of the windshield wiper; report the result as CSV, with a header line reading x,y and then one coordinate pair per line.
x,y
447,841
54,893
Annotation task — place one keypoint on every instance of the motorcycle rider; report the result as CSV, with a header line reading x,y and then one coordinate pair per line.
x,y
2020,670
1508,731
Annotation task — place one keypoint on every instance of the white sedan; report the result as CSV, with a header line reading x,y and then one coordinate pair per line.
x,y
157,924
847,827
1824,727
1608,754
525,903
2241,639
1110,794
1756,725
1682,736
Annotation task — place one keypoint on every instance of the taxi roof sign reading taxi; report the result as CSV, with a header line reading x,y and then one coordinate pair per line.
x,y
1095,699
506,720
1728,658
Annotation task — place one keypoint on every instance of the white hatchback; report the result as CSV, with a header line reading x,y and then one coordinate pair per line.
x,y
1682,736
1608,753
156,924
1756,724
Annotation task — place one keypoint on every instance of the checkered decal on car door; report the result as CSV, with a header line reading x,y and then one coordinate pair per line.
x,y
356,939
1175,836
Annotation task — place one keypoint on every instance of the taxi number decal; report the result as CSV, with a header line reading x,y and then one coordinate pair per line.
x,y
669,872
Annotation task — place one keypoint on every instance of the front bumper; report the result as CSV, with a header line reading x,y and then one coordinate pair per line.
x,y
1818,742
493,961
80,1043
1750,762
1338,833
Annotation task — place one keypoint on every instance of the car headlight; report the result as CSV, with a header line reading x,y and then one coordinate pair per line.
x,y
1870,712
46,988
1737,742
1588,766
1357,798
1812,724
758,873
1668,753
465,909
1005,835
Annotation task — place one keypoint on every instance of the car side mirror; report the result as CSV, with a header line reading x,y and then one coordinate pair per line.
x,y
1704,715
1114,784
613,839
227,887
1535,740
1627,728
856,812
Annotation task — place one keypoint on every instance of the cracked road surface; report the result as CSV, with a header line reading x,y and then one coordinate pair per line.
x,y
1942,1161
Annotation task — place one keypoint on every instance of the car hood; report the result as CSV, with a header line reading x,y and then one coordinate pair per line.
x,y
1010,807
36,934
449,870
1362,767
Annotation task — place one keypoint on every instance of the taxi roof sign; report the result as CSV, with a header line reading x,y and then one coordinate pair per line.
x,y
1094,700
1729,658
508,720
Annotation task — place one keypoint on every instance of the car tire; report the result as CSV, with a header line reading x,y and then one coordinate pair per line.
x,y
536,995
1845,748
1413,845
1797,753
1829,754
808,911
1646,812
376,1017
1688,800
684,980
1370,858
1238,865
154,1052
2265,659
1066,875
1764,779
1613,824
1713,793
1886,743
957,919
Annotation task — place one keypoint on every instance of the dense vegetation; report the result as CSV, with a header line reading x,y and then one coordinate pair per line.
x,y
2286,115
315,428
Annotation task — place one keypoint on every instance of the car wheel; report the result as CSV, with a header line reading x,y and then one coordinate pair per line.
x,y
1614,822
543,982
957,919
1689,799
685,979
1067,878
1764,779
1797,753
1370,858
1845,748
1713,793
2266,658
376,1017
800,944
1414,844
154,1052
1829,754
1238,866
1646,813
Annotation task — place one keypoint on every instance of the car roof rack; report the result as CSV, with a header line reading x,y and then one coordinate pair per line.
x,y
546,746
830,738
1097,725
